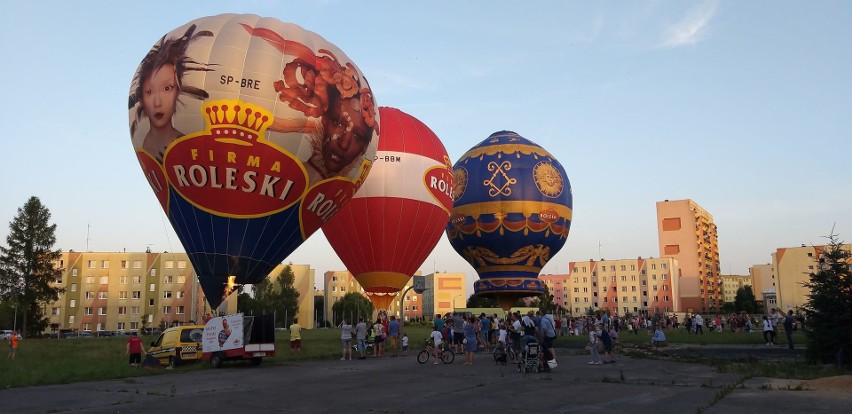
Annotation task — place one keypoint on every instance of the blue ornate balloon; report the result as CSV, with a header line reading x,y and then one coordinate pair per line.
x,y
512,207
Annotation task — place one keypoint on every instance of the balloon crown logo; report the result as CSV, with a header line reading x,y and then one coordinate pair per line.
x,y
243,121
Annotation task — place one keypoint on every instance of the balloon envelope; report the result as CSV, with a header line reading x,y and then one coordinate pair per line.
x,y
395,220
511,213
252,133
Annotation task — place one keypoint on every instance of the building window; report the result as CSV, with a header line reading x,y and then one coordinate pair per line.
x,y
104,264
623,268
167,294
104,280
119,326
665,287
180,310
134,310
90,280
74,272
87,327
152,287
180,294
653,266
170,264
137,279
150,302
73,287
122,280
153,272
125,264
71,319
663,266
137,264
90,295
102,295
632,267
102,311
169,279
137,294
122,294
122,310
54,311
134,326
87,311
167,310
663,276
181,264
181,279
90,264
665,298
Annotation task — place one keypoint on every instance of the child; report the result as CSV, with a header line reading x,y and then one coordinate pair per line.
x,y
501,336
404,344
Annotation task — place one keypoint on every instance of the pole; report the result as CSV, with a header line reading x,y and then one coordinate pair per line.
x,y
15,323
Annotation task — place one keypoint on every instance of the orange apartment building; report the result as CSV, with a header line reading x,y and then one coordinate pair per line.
x,y
687,233
626,286
792,267
557,285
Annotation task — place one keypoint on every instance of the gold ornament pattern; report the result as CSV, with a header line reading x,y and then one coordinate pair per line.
x,y
499,170
548,179
480,256
459,182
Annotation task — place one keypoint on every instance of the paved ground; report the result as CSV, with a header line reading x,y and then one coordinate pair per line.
x,y
401,385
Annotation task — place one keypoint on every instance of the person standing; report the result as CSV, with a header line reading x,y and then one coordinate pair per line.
x,y
361,337
548,334
469,340
378,331
768,331
134,350
295,337
594,343
346,340
698,321
393,335
458,332
774,318
405,344
607,346
789,321
14,340
437,342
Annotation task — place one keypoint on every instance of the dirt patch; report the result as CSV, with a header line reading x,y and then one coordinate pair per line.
x,y
840,383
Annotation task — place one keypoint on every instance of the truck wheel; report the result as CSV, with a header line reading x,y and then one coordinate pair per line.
x,y
256,361
216,360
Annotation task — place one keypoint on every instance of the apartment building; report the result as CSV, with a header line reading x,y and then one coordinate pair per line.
x,y
557,285
106,291
303,282
792,267
687,233
340,282
732,283
625,286
444,292
763,280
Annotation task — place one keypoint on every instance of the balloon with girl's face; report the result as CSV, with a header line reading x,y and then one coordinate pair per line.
x,y
252,133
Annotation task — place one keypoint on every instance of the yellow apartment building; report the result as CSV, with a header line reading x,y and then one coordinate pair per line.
x,y
340,282
732,283
792,267
687,233
763,280
303,282
106,291
444,292
110,291
625,286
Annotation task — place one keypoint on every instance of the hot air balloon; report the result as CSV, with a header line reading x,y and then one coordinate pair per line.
x,y
395,220
252,133
512,210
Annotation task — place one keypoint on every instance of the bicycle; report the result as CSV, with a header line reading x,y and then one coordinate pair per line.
x,y
508,352
447,356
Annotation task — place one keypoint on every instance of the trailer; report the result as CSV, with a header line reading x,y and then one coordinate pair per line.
x,y
238,337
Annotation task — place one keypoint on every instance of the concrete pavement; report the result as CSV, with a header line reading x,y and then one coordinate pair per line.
x,y
401,385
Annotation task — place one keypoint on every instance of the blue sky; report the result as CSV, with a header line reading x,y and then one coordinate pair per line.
x,y
743,106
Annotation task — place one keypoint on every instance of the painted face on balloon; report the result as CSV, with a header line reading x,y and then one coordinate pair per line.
x,y
345,134
159,96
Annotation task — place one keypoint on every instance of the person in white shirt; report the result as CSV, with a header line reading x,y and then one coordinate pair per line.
x,y
346,339
437,341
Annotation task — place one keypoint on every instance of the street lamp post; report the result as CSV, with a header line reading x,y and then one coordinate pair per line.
x,y
15,322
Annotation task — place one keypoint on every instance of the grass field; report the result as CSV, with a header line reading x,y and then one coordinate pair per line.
x,y
61,361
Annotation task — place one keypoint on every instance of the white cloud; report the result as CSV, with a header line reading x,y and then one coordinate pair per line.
x,y
693,27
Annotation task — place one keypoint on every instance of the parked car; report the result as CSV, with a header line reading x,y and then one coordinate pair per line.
x,y
178,345
5,334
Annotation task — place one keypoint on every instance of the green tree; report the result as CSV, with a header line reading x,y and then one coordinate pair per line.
x,y
277,296
829,307
478,301
744,300
351,306
545,302
319,305
27,265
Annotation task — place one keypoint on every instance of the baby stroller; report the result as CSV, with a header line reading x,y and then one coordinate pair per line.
x,y
530,358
